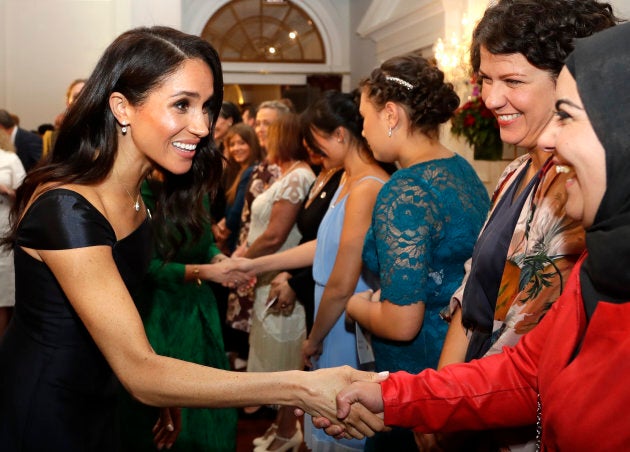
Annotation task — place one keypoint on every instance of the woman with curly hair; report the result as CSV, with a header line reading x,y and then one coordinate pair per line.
x,y
567,372
527,248
424,225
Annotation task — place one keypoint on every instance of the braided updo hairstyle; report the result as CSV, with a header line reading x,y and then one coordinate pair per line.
x,y
418,86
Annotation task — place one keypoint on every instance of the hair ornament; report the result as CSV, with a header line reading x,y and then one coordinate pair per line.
x,y
399,81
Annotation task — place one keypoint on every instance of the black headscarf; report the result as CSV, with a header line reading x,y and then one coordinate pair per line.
x,y
600,65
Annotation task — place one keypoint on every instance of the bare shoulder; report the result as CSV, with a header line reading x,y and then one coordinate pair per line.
x,y
369,185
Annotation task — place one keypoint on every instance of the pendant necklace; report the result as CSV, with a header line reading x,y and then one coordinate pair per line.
x,y
136,204
316,189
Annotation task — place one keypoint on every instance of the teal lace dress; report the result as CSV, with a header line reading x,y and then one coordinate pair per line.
x,y
182,321
425,224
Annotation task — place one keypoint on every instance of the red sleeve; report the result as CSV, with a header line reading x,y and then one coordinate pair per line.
x,y
497,391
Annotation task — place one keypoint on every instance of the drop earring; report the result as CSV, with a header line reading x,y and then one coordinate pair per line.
x,y
123,129
389,132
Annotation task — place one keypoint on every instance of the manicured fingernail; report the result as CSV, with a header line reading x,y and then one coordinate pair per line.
x,y
170,427
384,374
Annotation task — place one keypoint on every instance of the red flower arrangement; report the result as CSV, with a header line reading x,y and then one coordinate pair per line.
x,y
479,127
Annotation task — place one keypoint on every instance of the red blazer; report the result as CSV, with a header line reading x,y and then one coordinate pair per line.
x,y
585,402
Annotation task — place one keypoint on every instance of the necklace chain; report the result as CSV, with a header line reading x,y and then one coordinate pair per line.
x,y
136,202
321,183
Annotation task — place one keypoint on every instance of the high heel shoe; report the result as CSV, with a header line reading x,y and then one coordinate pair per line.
x,y
268,437
292,443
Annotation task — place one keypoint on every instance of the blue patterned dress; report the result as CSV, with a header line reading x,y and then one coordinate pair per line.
x,y
425,224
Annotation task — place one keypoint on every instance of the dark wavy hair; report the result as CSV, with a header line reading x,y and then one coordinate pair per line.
x,y
418,86
135,64
543,31
332,110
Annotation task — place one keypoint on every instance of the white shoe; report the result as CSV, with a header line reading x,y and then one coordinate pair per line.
x,y
267,437
292,443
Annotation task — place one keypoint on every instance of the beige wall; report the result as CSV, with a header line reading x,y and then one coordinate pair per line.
x,y
45,44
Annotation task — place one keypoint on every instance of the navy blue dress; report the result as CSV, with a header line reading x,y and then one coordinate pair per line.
x,y
57,391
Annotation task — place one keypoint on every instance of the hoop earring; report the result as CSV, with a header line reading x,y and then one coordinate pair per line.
x,y
389,132
123,129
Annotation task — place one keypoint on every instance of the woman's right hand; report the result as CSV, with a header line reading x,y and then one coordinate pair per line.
x,y
225,273
358,419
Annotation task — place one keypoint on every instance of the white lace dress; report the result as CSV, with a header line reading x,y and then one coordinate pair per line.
x,y
11,175
276,340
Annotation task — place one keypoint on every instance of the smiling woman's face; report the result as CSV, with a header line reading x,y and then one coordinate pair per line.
x,y
167,127
578,152
519,94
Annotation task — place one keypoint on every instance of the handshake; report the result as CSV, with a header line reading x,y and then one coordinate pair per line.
x,y
230,272
344,402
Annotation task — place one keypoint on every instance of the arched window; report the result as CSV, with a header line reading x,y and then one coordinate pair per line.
x,y
264,31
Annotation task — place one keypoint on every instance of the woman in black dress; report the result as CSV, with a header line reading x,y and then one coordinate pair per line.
x,y
81,238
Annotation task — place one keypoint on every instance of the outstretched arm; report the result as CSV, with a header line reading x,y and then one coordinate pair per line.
x,y
90,279
296,257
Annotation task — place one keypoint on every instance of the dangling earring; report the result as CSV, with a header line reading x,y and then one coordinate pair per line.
x,y
123,129
389,132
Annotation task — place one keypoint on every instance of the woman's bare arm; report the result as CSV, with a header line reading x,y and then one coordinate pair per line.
x,y
90,279
387,320
283,217
347,268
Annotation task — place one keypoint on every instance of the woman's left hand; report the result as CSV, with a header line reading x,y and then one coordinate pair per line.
x,y
311,350
281,289
167,427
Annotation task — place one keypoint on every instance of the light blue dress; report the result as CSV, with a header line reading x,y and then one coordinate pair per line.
x,y
339,346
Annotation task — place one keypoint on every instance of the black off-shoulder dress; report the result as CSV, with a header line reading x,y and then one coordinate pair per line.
x,y
57,392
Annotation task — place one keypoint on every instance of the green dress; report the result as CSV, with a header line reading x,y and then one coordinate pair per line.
x,y
182,321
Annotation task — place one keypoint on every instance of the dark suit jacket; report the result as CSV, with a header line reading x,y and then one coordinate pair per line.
x,y
28,146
